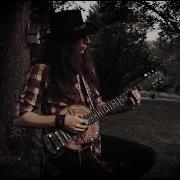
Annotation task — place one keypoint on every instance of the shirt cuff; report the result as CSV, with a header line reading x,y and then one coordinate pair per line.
x,y
59,120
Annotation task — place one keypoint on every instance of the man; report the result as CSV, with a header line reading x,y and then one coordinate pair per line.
x,y
65,76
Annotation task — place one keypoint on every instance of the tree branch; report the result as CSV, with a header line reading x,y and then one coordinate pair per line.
x,y
166,20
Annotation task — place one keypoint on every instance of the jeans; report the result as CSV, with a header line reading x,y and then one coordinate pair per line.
x,y
120,158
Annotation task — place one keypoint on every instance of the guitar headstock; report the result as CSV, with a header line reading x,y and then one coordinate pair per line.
x,y
153,79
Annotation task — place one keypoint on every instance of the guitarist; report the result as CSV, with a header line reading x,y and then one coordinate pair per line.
x,y
65,76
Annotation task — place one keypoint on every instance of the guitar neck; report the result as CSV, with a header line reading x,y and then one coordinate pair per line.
x,y
110,106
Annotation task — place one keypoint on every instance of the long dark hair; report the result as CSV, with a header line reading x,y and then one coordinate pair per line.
x,y
58,54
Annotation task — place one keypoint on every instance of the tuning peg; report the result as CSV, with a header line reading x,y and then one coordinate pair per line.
x,y
145,75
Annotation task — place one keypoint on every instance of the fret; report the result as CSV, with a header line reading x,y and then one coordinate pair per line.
x,y
89,121
110,107
128,91
119,101
123,100
95,115
115,99
115,103
87,116
90,118
99,112
139,87
105,108
125,97
95,119
102,111
112,104
56,140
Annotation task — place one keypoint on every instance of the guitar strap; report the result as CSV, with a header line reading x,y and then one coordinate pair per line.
x,y
85,86
84,89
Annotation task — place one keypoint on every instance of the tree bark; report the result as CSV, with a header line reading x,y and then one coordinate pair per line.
x,y
14,59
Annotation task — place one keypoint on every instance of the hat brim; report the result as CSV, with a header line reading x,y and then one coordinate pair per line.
x,y
85,28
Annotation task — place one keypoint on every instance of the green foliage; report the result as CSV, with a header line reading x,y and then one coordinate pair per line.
x,y
165,51
65,5
165,13
119,50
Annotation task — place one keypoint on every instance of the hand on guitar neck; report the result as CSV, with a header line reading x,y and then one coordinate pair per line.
x,y
133,101
134,98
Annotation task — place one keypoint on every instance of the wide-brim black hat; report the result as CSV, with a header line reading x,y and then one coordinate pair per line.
x,y
69,23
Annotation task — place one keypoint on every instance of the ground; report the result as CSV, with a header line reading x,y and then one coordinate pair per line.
x,y
155,123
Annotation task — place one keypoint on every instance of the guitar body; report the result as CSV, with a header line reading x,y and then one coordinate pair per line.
x,y
79,141
61,137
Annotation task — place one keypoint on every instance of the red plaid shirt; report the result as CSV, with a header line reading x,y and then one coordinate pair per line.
x,y
33,94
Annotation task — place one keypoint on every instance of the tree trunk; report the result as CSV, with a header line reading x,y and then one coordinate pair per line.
x,y
14,60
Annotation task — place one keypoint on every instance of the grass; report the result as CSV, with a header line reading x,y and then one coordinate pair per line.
x,y
156,124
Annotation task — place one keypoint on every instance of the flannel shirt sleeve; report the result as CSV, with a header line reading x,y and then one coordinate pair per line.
x,y
32,91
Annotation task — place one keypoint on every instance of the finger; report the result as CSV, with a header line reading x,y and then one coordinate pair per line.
x,y
82,122
138,102
81,116
135,101
137,94
132,101
81,126
138,99
134,96
78,129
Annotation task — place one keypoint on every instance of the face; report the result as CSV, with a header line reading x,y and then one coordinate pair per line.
x,y
82,45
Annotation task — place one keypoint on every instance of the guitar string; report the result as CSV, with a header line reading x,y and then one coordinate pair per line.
x,y
119,99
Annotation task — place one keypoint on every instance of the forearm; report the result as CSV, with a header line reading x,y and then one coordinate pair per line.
x,y
34,120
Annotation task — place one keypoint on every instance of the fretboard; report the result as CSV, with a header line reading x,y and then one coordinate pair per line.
x,y
110,106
